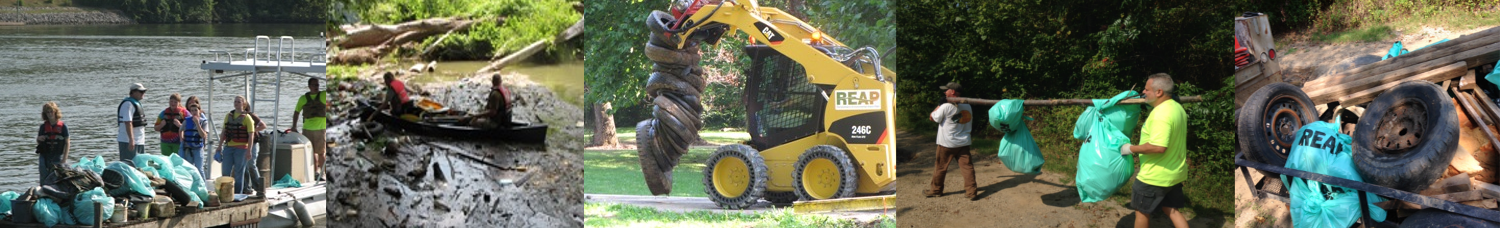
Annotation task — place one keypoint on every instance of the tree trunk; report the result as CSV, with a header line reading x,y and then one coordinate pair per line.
x,y
604,127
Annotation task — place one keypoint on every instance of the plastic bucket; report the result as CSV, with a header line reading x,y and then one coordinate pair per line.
x,y
225,187
120,215
20,211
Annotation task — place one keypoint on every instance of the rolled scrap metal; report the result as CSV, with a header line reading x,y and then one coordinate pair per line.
x,y
674,88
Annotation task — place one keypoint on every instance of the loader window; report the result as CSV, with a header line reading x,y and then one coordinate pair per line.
x,y
782,105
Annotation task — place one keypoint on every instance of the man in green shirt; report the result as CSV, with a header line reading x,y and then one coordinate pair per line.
x,y
1163,155
312,107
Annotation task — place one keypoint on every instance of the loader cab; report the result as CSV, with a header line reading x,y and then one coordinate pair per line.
x,y
781,105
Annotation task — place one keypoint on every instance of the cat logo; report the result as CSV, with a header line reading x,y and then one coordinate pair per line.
x,y
771,36
858,99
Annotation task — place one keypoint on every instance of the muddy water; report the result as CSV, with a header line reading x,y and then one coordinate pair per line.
x,y
564,79
87,70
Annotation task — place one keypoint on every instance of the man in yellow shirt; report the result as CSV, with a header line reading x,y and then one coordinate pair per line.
x,y
312,107
1163,155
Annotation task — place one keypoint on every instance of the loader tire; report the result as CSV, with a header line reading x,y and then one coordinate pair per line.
x,y
735,177
824,172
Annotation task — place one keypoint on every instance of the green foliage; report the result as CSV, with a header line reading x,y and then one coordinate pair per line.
x,y
215,11
1035,49
525,22
617,67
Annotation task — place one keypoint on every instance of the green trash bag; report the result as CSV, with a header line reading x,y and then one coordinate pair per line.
x,y
1320,148
83,206
1018,150
155,165
135,181
96,164
1101,168
185,172
287,182
47,212
1494,76
5,199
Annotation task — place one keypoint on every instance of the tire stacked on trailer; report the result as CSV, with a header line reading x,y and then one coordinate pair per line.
x,y
1407,137
674,90
1269,121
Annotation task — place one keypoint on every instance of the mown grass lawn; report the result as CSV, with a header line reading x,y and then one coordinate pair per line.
x,y
619,171
621,215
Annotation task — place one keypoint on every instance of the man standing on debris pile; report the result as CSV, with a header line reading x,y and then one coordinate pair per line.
x,y
1163,155
955,121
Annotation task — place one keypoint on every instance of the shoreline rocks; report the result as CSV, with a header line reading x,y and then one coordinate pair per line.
x,y
62,16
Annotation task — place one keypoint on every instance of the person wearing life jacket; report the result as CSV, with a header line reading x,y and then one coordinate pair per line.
x,y
497,111
192,135
237,136
169,123
312,109
51,142
397,98
131,124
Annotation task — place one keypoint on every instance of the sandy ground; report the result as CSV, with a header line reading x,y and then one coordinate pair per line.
x,y
1006,198
422,181
1305,61
1257,212
686,204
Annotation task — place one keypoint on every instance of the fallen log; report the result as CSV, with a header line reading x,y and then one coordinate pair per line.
x,y
1061,102
357,36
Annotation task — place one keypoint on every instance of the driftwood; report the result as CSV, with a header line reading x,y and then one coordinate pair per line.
x,y
367,43
535,47
1061,102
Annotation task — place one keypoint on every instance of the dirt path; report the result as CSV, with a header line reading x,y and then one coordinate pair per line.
x,y
1006,198
1252,212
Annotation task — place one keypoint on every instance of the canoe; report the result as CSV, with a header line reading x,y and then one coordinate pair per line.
x,y
518,132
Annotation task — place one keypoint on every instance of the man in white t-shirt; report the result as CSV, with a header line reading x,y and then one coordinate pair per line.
x,y
132,124
955,121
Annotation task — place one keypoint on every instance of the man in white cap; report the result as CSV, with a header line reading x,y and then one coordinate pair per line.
x,y
132,124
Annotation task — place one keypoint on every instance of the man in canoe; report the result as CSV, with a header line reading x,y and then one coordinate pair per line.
x,y
396,97
132,124
315,121
169,124
496,112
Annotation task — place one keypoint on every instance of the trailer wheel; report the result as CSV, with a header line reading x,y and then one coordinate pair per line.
x,y
1406,137
1438,218
1269,122
735,176
824,172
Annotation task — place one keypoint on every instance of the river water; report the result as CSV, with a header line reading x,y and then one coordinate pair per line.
x,y
88,69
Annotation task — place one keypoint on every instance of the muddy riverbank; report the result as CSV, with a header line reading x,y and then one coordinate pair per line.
x,y
388,178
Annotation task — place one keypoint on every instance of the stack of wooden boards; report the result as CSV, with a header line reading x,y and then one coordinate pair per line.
x,y
1460,188
1437,63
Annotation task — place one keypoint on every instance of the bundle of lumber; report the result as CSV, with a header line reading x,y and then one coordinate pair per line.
x,y
1460,189
1476,156
1437,63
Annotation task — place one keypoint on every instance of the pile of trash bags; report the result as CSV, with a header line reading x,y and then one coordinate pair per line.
x,y
1102,127
1327,152
70,199
1018,150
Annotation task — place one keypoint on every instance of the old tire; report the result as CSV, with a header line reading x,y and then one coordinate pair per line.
x,y
824,172
781,198
1269,122
658,22
1437,218
656,167
1406,137
735,177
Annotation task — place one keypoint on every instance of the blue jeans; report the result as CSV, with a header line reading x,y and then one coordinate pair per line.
x,y
234,166
194,155
127,152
